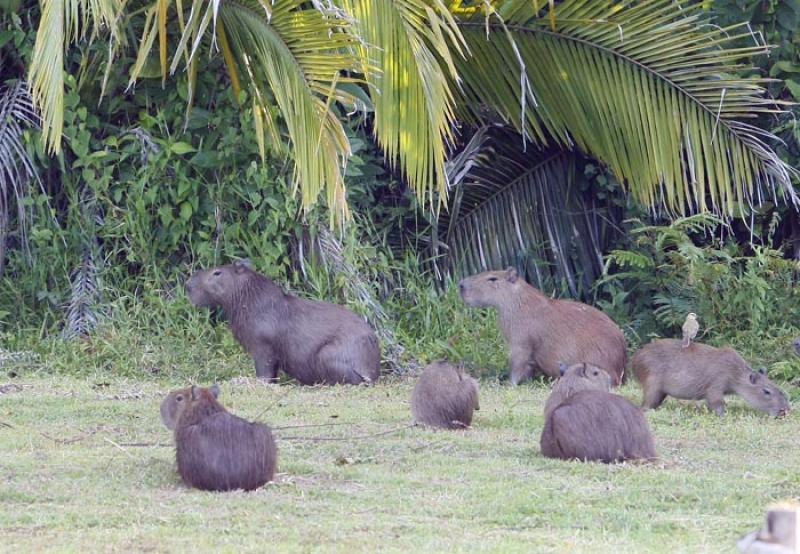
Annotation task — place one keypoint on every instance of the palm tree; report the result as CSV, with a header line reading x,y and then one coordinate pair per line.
x,y
667,101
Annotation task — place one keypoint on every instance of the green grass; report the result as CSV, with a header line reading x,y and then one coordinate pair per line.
x,y
108,483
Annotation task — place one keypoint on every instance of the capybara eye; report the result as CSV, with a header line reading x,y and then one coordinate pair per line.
x,y
179,398
217,273
767,392
492,279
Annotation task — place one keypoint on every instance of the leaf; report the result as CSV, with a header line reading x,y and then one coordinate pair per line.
x,y
181,148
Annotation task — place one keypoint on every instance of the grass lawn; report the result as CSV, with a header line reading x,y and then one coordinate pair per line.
x,y
87,466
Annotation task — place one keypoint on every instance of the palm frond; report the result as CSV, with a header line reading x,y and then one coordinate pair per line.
x,y
412,46
293,57
62,23
649,88
525,213
17,169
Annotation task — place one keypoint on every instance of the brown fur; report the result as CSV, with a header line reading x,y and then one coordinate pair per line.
x,y
576,378
216,450
444,396
597,426
312,341
700,371
542,332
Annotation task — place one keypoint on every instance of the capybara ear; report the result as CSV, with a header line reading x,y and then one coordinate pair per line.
x,y
511,275
562,368
214,390
195,393
754,377
240,265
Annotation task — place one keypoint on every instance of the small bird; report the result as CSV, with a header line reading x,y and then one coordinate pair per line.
x,y
690,328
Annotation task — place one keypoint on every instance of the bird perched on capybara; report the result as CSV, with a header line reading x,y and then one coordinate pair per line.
x,y
690,328
574,379
593,425
312,341
665,368
444,396
216,450
541,331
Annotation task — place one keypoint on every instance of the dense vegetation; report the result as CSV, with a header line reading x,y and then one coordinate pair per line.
x,y
99,240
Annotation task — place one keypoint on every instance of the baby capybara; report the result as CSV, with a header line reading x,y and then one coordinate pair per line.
x,y
701,371
541,331
576,378
216,450
444,396
597,426
312,341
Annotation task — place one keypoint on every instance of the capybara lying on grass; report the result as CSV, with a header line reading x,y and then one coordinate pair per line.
x,y
216,450
312,341
444,396
700,371
597,426
543,332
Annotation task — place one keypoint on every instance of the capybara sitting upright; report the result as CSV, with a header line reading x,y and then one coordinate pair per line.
x,y
312,341
597,426
701,371
542,332
574,379
444,396
216,450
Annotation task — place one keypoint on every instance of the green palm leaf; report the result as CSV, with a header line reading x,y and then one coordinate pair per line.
x,y
62,22
412,46
646,87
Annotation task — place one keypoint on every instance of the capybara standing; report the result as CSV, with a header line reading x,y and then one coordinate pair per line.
x,y
574,379
444,396
216,450
597,426
542,332
665,368
312,341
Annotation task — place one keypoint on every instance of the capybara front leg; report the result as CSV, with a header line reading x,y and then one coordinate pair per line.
x,y
653,398
716,404
520,367
266,364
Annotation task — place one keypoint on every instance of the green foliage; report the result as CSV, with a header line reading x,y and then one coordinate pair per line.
x,y
747,296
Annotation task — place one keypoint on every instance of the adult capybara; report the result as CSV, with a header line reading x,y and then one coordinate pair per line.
x,y
597,426
665,368
312,341
444,396
542,332
574,379
796,344
216,450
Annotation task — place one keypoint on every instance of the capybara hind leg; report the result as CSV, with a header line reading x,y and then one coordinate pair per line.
x,y
653,398
335,367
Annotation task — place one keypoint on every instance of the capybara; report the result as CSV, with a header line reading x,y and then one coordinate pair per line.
x,y
312,341
444,396
576,378
216,450
797,345
665,368
597,426
542,332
